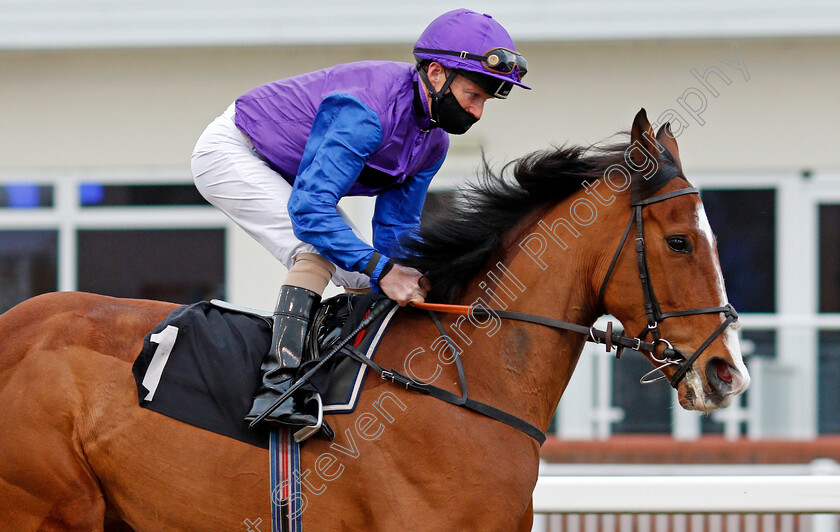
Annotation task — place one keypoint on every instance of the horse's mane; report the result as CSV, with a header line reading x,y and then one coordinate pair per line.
x,y
453,245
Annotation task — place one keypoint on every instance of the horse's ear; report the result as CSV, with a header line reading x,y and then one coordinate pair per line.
x,y
669,142
642,136
644,157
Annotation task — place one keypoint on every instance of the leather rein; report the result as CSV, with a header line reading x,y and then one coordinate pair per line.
x,y
611,340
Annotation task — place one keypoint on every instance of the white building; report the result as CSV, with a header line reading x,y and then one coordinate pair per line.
x,y
103,101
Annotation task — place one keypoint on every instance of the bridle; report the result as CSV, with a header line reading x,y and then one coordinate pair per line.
x,y
655,316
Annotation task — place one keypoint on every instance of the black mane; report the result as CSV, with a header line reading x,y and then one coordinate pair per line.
x,y
454,244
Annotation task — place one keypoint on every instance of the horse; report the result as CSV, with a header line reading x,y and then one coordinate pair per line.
x,y
80,454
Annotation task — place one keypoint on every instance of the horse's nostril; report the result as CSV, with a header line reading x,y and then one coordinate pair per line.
x,y
723,372
720,376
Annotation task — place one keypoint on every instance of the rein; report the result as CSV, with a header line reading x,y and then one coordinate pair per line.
x,y
608,337
670,356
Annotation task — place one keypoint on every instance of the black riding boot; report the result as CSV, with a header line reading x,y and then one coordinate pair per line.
x,y
292,317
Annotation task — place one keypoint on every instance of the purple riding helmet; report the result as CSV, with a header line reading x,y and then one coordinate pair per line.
x,y
474,46
478,47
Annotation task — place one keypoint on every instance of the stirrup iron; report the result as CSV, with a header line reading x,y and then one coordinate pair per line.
x,y
310,430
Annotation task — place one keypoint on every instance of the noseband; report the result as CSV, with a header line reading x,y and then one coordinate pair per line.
x,y
655,316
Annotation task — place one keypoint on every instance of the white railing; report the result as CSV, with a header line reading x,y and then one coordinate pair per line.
x,y
708,502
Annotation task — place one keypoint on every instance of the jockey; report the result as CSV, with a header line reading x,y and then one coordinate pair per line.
x,y
279,159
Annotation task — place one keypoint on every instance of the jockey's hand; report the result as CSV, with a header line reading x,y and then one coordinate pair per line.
x,y
404,285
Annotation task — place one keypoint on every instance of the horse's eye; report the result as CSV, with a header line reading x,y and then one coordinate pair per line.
x,y
680,244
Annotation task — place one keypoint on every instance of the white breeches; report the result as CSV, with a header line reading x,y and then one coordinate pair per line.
x,y
232,176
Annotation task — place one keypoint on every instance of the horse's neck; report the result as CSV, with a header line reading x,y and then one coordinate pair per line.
x,y
523,366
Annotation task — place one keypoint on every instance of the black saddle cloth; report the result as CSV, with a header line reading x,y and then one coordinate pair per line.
x,y
201,365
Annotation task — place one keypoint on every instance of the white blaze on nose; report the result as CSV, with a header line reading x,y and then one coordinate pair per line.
x,y
741,379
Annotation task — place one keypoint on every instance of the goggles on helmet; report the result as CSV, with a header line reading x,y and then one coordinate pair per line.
x,y
496,60
495,87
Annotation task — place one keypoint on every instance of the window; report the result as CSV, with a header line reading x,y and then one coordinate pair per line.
x,y
181,266
829,233
829,301
28,265
99,195
25,196
744,222
829,382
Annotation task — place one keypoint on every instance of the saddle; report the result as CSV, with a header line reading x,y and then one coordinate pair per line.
x,y
201,365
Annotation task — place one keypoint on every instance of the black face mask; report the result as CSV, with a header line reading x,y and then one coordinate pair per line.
x,y
447,113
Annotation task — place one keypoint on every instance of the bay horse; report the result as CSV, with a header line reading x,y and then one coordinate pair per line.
x,y
78,453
